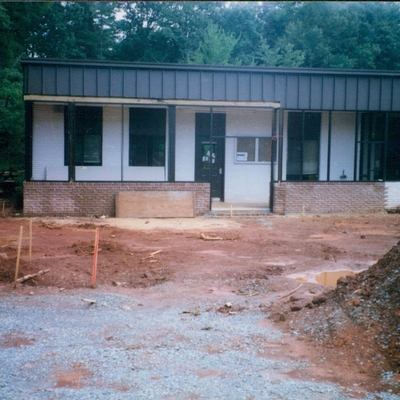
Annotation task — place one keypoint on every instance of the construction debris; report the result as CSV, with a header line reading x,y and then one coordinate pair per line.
x,y
27,277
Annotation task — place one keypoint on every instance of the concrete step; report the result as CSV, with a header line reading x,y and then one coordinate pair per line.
x,y
239,212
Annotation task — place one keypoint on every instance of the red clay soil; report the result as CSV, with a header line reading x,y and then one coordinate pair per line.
x,y
351,334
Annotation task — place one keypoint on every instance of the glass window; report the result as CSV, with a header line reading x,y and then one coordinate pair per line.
x,y
303,145
87,140
253,149
147,135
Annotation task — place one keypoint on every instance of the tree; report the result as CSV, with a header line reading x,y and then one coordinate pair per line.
x,y
216,48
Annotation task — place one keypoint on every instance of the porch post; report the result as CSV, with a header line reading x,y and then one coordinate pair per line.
x,y
211,148
70,138
280,155
385,145
171,142
328,175
28,139
355,149
273,153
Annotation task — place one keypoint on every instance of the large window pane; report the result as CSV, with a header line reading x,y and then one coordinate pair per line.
x,y
246,149
87,139
264,149
147,135
303,146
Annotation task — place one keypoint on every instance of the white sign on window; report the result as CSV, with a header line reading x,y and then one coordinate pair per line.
x,y
241,156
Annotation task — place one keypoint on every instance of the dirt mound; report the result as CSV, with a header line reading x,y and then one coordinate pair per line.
x,y
372,299
360,318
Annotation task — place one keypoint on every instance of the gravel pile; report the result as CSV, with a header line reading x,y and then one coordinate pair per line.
x,y
60,347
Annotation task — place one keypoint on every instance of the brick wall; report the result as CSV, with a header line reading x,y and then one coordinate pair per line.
x,y
88,199
329,197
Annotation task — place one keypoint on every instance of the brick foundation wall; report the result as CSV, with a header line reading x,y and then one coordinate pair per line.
x,y
328,197
87,199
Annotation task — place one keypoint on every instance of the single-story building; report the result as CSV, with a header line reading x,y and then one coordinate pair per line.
x,y
134,139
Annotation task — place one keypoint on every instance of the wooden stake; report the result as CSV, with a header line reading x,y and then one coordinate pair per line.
x,y
18,256
96,250
288,294
4,214
30,240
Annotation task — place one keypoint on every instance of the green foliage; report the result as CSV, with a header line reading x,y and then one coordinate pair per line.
x,y
359,35
216,47
11,119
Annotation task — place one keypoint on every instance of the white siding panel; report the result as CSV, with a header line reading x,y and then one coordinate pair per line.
x,y
144,174
246,182
342,145
48,143
392,194
323,147
185,146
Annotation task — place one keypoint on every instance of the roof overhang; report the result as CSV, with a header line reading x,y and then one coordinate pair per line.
x,y
153,102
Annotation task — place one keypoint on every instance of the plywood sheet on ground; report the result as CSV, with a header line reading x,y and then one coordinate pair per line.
x,y
155,204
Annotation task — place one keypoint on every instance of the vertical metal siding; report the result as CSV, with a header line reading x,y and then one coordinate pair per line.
x,y
292,92
396,94
117,83
280,89
182,84
77,81
374,94
268,87
363,93
143,84
50,83
340,93
206,84
194,85
351,94
35,79
300,89
316,92
63,81
155,88
386,93
103,82
90,82
305,92
244,87
130,83
219,86
256,87
231,86
169,85
327,92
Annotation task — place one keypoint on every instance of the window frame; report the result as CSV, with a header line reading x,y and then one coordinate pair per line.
x,y
256,150
149,136
80,147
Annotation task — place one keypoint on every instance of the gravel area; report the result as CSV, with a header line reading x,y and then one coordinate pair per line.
x,y
57,346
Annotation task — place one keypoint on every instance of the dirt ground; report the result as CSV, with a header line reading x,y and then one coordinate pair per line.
x,y
273,262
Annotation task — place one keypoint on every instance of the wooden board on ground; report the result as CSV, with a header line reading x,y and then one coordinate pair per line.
x,y
155,204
